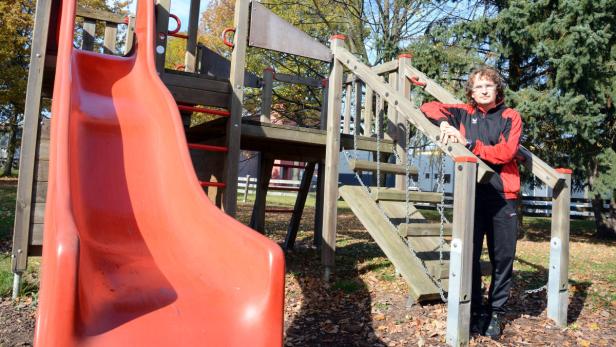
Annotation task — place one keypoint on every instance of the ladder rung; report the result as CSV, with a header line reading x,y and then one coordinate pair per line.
x,y
393,194
423,229
223,113
209,148
212,184
367,165
277,210
291,189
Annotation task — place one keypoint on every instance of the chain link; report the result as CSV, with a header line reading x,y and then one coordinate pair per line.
x,y
536,290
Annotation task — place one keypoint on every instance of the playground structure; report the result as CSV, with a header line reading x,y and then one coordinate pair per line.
x,y
92,98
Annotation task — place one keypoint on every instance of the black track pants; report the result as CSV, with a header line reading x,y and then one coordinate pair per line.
x,y
496,218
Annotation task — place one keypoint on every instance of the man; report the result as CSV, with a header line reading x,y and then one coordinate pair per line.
x,y
491,131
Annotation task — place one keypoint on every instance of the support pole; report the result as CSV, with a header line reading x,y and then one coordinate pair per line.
x,y
190,60
357,117
558,296
246,188
236,79
267,92
404,87
298,209
162,27
461,262
23,207
368,116
346,125
332,154
257,221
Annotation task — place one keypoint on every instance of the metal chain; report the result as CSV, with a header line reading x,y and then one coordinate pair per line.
x,y
378,144
436,282
441,207
536,290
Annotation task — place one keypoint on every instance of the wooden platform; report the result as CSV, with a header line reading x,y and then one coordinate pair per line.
x,y
283,141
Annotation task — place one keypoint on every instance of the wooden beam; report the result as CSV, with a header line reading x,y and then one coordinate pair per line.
x,y
234,124
460,256
368,112
332,155
357,112
408,109
346,127
371,166
558,280
385,67
393,194
190,58
27,169
104,16
162,26
257,220
130,35
293,79
300,202
423,229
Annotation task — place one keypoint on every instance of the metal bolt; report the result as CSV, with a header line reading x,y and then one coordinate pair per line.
x,y
455,245
38,55
396,102
160,49
459,167
19,251
449,148
453,275
386,95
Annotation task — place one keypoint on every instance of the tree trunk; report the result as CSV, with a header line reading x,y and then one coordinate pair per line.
x,y
5,169
605,221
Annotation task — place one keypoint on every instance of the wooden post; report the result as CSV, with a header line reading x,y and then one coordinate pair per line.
x,y
32,110
318,208
404,87
246,188
162,28
130,35
346,125
368,116
323,118
332,154
109,40
558,296
89,34
257,220
267,92
236,78
300,202
357,117
461,262
190,61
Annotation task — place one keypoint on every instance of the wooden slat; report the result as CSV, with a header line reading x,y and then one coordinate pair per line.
x,y
200,82
347,110
162,26
40,192
41,171
199,97
371,166
368,112
397,211
423,229
43,149
130,35
293,79
190,57
110,38
36,238
104,16
38,214
408,109
420,286
267,93
27,165
399,195
385,67
89,34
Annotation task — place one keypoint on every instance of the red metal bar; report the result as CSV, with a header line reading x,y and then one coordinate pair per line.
x,y
182,36
224,36
291,166
204,110
415,80
291,189
209,148
277,210
212,184
177,21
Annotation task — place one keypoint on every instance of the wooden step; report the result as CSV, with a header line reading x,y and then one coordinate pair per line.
x,y
367,165
397,211
393,194
424,229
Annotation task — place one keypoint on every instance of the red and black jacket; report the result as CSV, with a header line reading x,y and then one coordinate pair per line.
x,y
493,135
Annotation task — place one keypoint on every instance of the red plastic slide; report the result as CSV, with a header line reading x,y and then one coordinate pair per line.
x,y
134,252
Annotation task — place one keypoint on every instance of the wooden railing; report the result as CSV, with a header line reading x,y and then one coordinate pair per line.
x,y
110,21
468,170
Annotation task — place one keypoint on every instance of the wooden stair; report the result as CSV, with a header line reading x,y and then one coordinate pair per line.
x,y
377,223
392,194
371,166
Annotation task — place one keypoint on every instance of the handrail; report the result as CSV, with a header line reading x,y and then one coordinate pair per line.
x,y
538,167
407,108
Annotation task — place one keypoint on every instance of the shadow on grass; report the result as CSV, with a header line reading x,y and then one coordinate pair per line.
x,y
533,304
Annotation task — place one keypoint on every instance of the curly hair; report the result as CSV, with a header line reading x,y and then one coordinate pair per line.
x,y
489,73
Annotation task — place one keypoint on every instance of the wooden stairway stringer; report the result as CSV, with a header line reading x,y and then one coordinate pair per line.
x,y
421,287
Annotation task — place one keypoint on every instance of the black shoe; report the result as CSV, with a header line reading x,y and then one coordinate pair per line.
x,y
494,329
479,321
